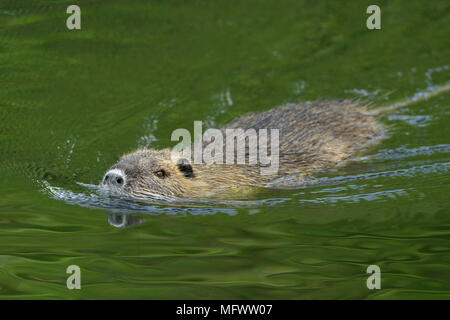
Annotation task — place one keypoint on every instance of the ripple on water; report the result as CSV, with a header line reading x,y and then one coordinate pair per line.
x,y
92,198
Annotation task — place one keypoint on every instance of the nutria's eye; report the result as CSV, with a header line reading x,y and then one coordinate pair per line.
x,y
160,174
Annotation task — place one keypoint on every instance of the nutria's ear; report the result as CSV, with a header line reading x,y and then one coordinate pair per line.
x,y
185,167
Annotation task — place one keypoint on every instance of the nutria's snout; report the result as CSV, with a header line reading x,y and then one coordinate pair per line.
x,y
114,179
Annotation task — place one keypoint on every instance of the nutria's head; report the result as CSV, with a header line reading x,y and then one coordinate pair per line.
x,y
148,173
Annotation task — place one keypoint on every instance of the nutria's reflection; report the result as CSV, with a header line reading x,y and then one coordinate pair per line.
x,y
123,220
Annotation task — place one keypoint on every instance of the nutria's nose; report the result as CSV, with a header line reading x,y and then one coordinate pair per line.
x,y
114,178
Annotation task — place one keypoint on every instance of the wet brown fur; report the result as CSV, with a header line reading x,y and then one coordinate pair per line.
x,y
313,135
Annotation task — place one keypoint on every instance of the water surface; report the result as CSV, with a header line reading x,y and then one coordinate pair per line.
x,y
72,102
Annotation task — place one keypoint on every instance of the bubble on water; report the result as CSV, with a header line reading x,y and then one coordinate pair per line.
x,y
299,87
149,126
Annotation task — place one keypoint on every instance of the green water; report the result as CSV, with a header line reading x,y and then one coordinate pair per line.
x,y
71,102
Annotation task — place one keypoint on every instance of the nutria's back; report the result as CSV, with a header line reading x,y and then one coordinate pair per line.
x,y
315,135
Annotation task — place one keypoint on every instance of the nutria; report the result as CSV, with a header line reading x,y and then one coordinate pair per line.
x,y
312,136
